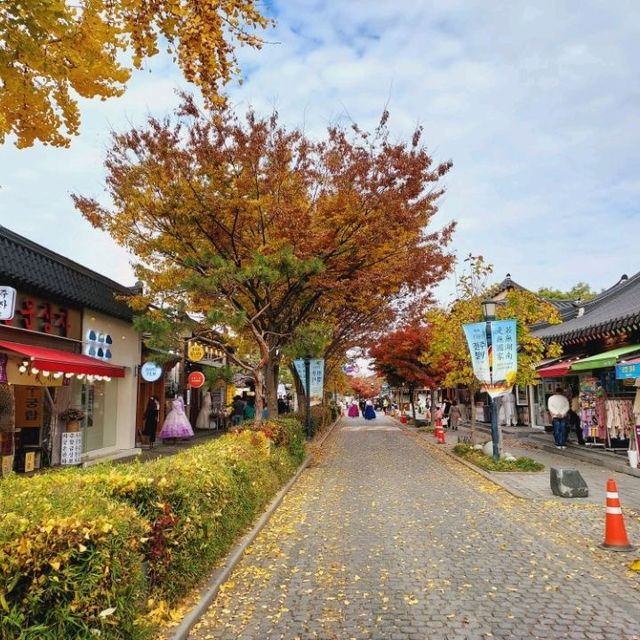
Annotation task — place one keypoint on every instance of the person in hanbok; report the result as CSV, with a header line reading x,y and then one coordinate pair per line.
x,y
369,411
203,420
176,424
353,410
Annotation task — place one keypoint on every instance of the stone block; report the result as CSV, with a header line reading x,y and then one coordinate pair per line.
x,y
568,483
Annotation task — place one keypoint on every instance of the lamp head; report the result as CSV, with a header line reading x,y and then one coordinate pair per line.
x,y
489,309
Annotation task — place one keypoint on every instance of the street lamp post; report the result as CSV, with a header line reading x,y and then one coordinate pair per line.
x,y
489,311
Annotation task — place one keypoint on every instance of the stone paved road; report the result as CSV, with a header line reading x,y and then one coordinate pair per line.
x,y
388,538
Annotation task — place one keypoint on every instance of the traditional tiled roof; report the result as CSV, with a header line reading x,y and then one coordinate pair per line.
x,y
617,308
28,266
566,308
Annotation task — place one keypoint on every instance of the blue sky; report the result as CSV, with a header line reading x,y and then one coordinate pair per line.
x,y
536,103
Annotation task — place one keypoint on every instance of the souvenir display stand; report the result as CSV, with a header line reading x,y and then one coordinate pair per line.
x,y
606,412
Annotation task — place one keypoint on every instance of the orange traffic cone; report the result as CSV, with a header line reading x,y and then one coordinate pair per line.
x,y
438,432
615,535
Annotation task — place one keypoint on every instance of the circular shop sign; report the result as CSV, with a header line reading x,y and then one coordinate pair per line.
x,y
196,351
151,371
196,379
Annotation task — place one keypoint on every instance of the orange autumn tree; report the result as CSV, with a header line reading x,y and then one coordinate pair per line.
x,y
52,51
243,223
397,357
367,388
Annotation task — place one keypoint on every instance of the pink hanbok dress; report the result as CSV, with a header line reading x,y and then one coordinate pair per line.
x,y
176,424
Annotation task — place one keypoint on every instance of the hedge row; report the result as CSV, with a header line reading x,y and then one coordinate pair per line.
x,y
83,553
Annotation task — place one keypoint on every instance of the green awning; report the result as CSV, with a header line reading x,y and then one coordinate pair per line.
x,y
601,360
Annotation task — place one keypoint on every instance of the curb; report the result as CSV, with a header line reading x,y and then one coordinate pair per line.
x,y
219,577
481,472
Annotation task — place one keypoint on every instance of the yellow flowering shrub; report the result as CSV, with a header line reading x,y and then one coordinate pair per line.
x,y
70,562
84,551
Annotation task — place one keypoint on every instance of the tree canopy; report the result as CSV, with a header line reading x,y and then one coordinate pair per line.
x,y
244,223
448,340
579,291
396,357
52,51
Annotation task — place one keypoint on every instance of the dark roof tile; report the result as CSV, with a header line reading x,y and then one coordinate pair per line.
x,y
30,266
616,308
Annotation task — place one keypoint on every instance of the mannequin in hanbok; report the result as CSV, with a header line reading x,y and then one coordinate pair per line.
x,y
204,416
176,424
510,410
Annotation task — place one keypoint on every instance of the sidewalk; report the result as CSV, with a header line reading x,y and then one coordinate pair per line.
x,y
161,450
536,486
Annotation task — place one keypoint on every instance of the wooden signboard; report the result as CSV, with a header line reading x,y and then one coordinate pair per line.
x,y
29,407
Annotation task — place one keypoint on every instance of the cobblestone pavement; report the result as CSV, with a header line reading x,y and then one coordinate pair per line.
x,y
388,538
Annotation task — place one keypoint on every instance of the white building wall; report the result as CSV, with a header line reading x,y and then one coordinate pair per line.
x,y
126,352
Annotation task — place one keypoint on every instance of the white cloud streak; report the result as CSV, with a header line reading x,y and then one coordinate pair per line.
x,y
535,103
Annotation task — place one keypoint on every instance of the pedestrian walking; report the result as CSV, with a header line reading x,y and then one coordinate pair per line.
x,y
369,411
151,419
454,416
558,407
353,410
446,408
237,411
573,424
176,424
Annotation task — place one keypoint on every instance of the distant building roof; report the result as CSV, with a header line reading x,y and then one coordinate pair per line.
x,y
565,308
615,308
29,266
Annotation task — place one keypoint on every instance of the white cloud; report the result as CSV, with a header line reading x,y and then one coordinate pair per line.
x,y
536,104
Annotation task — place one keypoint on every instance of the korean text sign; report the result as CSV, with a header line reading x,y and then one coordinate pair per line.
x,y
316,376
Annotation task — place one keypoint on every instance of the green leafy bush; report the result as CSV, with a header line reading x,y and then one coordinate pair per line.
x,y
70,562
83,551
478,458
320,417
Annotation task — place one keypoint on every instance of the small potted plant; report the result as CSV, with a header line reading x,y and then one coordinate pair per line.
x,y
72,417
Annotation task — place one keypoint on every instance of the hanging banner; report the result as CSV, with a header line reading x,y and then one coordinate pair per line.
x,y
494,365
504,353
316,377
3,368
476,335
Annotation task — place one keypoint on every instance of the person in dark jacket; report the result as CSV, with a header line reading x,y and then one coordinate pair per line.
x,y
237,411
573,422
151,420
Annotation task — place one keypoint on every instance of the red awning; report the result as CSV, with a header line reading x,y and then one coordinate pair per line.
x,y
55,360
556,370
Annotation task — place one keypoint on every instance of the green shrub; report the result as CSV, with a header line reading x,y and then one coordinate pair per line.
x,y
197,503
320,417
478,458
70,562
75,544
288,433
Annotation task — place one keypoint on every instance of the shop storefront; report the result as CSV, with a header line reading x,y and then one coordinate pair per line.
x,y
606,401
67,357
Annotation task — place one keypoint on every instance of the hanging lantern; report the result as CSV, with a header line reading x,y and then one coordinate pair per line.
x,y
3,368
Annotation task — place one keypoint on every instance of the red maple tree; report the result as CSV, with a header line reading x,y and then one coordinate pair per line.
x,y
396,357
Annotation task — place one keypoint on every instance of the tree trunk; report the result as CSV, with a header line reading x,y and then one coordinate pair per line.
x,y
413,406
271,371
259,384
433,407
